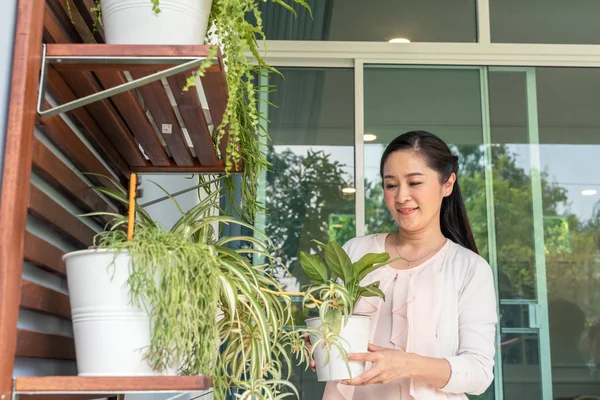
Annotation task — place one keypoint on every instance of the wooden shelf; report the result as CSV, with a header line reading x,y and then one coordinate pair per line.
x,y
134,94
52,385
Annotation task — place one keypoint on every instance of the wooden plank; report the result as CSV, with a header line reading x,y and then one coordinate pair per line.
x,y
158,103
63,178
43,254
215,89
78,84
24,83
66,396
61,135
43,207
32,344
126,50
121,384
85,8
192,114
61,92
198,169
74,19
134,116
42,299
64,21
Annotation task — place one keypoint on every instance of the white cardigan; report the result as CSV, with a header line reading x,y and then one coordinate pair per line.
x,y
453,316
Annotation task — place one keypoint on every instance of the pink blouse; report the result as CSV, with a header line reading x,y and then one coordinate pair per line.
x,y
421,290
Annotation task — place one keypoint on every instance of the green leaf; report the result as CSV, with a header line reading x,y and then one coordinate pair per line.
x,y
339,262
371,290
372,268
367,261
333,318
313,266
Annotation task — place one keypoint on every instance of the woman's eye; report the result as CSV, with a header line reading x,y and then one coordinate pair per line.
x,y
415,183
390,186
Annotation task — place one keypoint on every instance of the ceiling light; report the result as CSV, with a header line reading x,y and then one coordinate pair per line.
x,y
589,192
348,190
399,40
369,137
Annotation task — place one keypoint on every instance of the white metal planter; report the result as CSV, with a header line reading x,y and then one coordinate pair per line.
x,y
111,335
134,22
354,339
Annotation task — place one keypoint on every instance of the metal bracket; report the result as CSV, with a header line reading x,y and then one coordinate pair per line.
x,y
185,63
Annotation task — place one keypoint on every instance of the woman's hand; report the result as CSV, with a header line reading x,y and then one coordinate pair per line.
x,y
313,363
388,365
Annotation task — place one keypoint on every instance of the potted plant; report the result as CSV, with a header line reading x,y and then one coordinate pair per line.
x,y
338,330
233,25
181,301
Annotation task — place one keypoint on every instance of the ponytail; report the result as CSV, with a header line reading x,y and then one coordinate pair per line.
x,y
454,220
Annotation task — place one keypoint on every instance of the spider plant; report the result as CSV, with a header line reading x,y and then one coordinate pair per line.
x,y
202,295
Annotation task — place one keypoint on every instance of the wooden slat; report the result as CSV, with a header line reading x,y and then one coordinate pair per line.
x,y
192,114
24,83
43,254
215,88
105,121
62,177
32,344
64,21
220,167
74,19
59,90
55,32
157,101
42,299
134,116
66,396
85,9
122,384
118,50
42,206
72,147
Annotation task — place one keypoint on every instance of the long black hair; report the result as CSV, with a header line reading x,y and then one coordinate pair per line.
x,y
453,216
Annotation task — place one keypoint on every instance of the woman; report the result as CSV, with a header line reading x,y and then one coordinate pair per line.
x,y
433,336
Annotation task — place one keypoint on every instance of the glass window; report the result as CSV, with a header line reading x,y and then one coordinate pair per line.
x,y
312,156
570,150
545,21
446,102
373,20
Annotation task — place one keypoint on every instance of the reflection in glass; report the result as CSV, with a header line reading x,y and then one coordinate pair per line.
x,y
569,151
312,157
373,20
545,21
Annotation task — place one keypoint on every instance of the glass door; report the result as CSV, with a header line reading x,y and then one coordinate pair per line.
x,y
517,190
503,193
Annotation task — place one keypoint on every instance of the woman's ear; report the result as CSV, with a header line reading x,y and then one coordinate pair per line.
x,y
449,185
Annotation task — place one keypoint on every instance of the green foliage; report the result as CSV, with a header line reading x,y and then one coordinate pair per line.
x,y
303,191
185,277
334,299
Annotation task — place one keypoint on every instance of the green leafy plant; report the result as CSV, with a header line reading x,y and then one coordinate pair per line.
x,y
212,311
337,290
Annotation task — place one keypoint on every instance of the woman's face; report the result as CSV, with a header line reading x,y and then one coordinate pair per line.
x,y
413,192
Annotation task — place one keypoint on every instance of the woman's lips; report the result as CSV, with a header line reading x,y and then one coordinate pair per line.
x,y
407,211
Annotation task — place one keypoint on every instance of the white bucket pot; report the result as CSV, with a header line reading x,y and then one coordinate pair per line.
x,y
354,338
111,335
134,22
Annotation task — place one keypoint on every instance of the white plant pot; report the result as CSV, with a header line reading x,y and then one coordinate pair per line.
x,y
354,339
134,22
110,334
